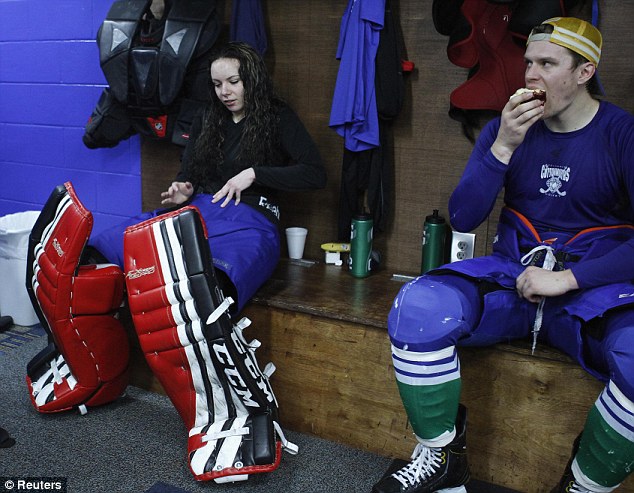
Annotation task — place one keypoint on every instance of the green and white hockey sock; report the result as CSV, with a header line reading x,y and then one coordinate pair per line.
x,y
606,451
429,384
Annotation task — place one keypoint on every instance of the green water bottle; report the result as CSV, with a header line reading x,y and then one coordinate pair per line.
x,y
360,245
434,234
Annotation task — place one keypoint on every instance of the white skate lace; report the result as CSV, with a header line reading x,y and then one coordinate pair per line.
x,y
549,264
425,463
574,487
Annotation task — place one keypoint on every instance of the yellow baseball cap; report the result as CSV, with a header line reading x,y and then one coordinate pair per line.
x,y
572,33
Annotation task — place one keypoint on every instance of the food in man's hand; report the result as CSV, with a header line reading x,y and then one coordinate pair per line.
x,y
537,94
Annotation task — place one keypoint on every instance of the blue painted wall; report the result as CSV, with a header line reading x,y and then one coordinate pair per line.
x,y
50,81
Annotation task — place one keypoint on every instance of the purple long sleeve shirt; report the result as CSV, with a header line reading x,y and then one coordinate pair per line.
x,y
562,183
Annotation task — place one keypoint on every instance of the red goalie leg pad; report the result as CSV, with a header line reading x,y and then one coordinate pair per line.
x,y
201,359
172,291
97,289
99,375
231,451
160,306
86,362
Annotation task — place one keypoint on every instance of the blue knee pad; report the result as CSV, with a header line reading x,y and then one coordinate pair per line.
x,y
433,312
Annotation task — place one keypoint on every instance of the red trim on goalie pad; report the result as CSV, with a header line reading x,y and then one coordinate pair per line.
x,y
67,398
152,314
91,279
76,305
234,471
61,402
202,361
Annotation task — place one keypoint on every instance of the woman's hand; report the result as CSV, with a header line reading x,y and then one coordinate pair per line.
x,y
234,187
177,193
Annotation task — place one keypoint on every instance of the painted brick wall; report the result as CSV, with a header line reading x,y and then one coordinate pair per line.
x,y
50,81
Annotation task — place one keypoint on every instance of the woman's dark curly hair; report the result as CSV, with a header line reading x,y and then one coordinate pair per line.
x,y
261,109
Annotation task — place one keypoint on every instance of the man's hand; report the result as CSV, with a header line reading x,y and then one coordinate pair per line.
x,y
234,187
177,193
518,116
536,283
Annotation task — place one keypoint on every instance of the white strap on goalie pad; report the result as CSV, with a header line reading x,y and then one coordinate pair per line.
x,y
269,369
231,479
254,344
209,437
43,389
222,308
239,327
226,451
56,374
289,447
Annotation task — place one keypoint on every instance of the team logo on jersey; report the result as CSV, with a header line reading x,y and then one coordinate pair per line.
x,y
555,177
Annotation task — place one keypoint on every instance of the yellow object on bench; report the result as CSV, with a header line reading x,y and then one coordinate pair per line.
x,y
334,251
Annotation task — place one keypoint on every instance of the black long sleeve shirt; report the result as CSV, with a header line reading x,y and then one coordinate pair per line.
x,y
297,164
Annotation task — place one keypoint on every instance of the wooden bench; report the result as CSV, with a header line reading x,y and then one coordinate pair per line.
x,y
326,333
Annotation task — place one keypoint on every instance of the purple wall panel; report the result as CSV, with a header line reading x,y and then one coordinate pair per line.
x,y
117,194
50,81
72,19
14,23
122,159
62,147
32,20
47,104
80,63
31,184
32,62
32,144
56,62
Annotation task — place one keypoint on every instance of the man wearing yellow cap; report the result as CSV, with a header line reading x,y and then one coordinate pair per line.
x,y
561,271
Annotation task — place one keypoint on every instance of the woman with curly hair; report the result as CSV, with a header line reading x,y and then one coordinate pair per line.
x,y
245,148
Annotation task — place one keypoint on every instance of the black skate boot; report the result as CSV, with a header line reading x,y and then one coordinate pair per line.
x,y
432,470
568,484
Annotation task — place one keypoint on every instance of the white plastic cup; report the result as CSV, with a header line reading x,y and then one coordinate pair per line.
x,y
296,239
